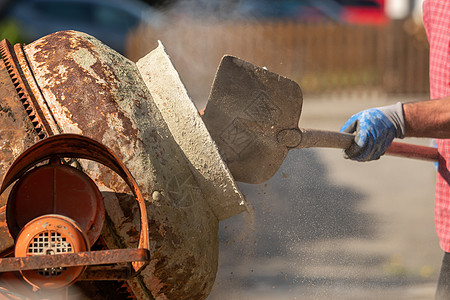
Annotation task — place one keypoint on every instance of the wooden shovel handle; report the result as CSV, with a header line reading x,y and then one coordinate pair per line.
x,y
413,151
333,139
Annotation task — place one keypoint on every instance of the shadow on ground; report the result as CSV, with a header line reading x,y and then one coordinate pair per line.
x,y
298,207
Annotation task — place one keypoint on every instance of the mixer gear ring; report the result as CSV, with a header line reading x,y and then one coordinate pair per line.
x,y
27,98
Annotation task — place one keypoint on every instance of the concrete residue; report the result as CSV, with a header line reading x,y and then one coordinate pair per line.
x,y
191,134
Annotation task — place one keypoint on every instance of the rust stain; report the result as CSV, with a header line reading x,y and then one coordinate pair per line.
x,y
73,259
77,85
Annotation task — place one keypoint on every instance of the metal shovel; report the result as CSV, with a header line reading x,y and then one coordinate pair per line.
x,y
253,114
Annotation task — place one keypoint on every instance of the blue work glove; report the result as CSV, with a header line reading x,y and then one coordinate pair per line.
x,y
375,129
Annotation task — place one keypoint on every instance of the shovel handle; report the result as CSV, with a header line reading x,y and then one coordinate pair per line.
x,y
332,139
413,151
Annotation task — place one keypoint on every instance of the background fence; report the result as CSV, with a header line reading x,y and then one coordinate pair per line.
x,y
323,58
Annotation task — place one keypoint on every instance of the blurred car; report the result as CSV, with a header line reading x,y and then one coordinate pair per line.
x,y
363,11
341,11
304,10
108,20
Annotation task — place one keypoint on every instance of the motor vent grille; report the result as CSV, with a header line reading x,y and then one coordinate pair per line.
x,y
49,243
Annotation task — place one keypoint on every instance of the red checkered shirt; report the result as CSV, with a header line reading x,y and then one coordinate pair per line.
x,y
436,17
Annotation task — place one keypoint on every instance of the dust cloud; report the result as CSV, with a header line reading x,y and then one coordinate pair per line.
x,y
298,208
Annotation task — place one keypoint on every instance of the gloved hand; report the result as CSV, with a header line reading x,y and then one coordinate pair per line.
x,y
374,129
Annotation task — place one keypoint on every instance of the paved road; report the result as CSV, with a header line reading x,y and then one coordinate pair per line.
x,y
328,228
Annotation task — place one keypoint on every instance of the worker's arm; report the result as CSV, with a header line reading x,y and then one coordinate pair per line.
x,y
428,118
376,128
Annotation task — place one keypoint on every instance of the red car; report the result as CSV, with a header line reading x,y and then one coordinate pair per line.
x,y
363,11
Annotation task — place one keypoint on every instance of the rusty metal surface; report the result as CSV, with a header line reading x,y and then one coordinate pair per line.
x,y
26,95
94,91
17,134
56,189
95,273
7,242
37,262
47,235
33,88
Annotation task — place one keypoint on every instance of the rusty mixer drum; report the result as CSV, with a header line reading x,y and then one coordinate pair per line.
x,y
69,82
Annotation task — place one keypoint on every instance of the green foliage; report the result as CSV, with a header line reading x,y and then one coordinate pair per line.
x,y
10,30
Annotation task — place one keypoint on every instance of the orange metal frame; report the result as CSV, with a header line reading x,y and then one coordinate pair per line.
x,y
77,146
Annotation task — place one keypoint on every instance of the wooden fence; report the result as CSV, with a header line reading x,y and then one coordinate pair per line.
x,y
322,58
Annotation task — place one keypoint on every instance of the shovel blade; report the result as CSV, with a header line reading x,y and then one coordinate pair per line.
x,y
247,109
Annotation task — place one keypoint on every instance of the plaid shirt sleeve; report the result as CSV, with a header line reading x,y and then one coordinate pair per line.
x,y
436,17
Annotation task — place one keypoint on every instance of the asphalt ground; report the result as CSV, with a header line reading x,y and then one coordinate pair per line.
x,y
325,227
